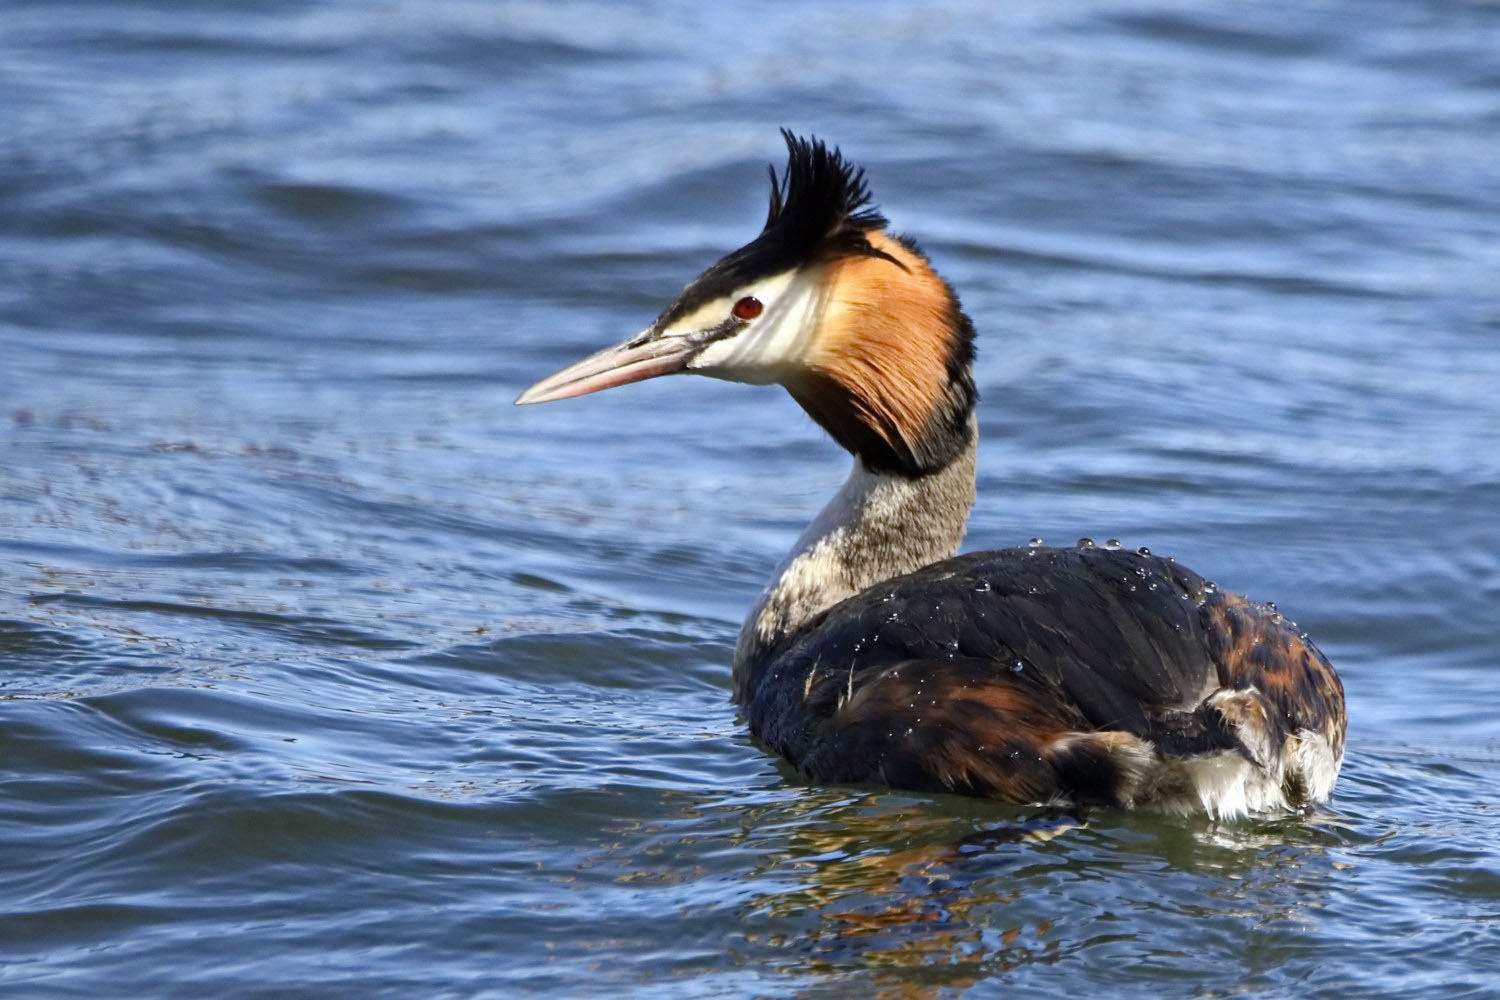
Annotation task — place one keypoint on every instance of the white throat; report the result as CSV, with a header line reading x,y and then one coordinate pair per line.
x,y
877,526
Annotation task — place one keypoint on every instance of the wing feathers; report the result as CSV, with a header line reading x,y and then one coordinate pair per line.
x,y
1036,675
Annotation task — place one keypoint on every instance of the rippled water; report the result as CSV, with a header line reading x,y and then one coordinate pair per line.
x,y
326,672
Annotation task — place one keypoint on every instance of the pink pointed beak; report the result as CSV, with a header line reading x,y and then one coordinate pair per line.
x,y
632,361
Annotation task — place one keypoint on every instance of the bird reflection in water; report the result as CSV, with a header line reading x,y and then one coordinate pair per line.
x,y
916,903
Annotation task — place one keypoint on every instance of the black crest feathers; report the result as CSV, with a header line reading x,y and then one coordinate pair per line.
x,y
820,209
820,204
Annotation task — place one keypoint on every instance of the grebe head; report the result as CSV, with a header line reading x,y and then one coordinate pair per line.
x,y
852,320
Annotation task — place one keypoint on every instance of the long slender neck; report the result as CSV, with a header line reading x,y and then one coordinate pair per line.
x,y
879,525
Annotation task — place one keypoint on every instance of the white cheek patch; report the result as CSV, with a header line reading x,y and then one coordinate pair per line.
x,y
705,317
779,338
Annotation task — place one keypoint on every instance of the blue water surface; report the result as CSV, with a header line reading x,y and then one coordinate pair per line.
x,y
326,672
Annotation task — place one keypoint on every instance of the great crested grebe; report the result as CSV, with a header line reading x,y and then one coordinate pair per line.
x,y
1069,676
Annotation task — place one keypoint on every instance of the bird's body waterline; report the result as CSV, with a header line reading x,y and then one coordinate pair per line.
x,y
1078,676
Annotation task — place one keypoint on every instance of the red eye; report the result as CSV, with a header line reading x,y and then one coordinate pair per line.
x,y
747,308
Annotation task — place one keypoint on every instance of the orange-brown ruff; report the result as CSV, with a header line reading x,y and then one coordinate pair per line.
x,y
880,365
1078,676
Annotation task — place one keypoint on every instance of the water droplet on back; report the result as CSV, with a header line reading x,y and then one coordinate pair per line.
x,y
1036,543
1113,543
1085,543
